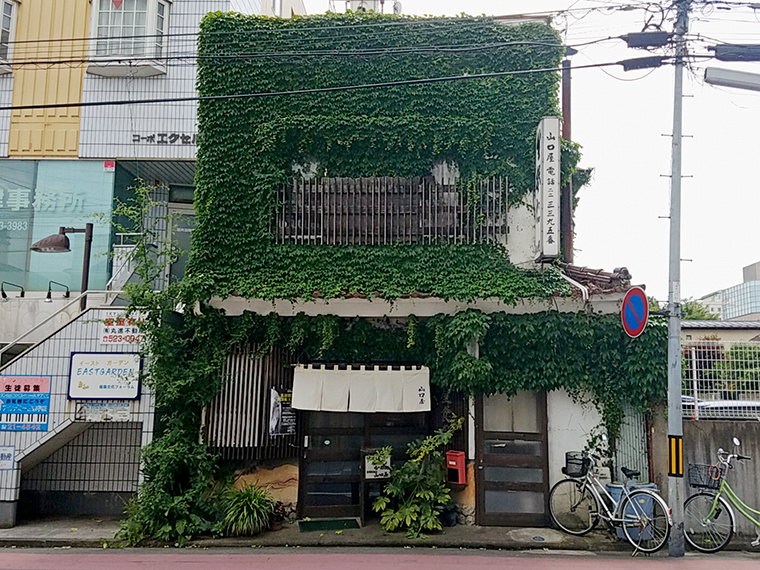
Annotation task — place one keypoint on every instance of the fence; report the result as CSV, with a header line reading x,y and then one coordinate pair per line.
x,y
385,210
721,380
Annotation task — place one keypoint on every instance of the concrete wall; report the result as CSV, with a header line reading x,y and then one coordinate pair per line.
x,y
570,427
521,239
701,440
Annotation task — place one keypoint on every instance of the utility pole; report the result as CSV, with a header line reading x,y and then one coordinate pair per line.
x,y
676,488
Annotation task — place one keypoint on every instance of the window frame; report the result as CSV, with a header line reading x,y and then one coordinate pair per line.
x,y
5,62
127,62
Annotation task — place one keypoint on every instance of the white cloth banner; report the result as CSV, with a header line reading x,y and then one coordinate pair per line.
x,y
366,390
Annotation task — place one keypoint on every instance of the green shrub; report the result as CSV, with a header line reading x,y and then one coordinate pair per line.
x,y
246,511
418,487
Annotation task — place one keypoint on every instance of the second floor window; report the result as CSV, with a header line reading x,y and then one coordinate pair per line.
x,y
131,27
6,29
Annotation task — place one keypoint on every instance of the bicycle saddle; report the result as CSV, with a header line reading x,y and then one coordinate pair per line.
x,y
630,473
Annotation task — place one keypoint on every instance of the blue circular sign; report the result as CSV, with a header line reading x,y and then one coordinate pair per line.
x,y
635,311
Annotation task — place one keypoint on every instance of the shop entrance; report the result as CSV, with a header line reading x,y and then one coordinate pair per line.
x,y
512,477
331,482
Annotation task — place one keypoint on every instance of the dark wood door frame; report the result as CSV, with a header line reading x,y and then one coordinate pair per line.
x,y
482,460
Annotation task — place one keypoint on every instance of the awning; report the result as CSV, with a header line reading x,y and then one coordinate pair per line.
x,y
365,389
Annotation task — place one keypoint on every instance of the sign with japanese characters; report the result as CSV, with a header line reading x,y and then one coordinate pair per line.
x,y
547,194
372,471
7,457
103,411
282,416
104,376
165,138
24,403
118,328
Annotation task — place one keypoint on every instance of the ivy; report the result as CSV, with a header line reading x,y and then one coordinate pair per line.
x,y
248,146
463,272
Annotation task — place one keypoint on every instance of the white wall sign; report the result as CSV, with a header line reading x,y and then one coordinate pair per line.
x,y
7,457
118,328
547,194
372,471
103,411
104,376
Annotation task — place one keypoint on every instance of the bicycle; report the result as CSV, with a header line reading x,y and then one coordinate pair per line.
x,y
709,520
578,503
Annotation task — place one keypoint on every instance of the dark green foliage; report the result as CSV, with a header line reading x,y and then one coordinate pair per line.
x,y
416,488
462,272
247,146
246,512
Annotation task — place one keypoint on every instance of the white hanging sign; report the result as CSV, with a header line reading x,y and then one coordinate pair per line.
x,y
547,194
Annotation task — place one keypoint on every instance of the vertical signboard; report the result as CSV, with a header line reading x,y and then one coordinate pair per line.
x,y
24,403
282,416
547,194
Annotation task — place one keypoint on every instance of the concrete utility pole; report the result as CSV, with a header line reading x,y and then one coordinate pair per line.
x,y
676,488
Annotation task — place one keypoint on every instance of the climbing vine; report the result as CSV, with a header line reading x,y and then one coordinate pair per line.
x,y
249,146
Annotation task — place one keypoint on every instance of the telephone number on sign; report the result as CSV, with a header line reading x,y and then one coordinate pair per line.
x,y
4,225
122,338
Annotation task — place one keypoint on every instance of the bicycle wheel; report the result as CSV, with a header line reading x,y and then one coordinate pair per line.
x,y
705,529
573,508
646,520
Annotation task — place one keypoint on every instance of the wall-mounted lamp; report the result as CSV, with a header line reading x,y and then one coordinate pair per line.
x,y
4,294
49,296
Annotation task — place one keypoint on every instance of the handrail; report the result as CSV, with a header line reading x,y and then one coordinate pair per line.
x,y
51,317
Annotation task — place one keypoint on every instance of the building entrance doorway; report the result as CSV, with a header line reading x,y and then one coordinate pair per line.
x,y
330,481
512,475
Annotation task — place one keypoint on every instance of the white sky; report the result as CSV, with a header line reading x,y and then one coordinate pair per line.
x,y
620,118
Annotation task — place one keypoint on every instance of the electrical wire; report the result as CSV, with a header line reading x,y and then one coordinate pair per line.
x,y
406,82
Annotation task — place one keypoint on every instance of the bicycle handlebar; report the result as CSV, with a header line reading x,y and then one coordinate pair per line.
x,y
726,457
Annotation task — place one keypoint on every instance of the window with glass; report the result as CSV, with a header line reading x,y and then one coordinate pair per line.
x,y
6,29
131,27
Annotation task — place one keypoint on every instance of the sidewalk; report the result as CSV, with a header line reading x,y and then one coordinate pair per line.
x,y
95,533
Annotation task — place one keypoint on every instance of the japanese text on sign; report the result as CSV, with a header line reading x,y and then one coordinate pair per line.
x,y
118,328
24,403
165,138
98,376
547,193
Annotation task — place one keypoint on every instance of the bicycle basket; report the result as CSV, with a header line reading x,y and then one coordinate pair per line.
x,y
575,464
705,476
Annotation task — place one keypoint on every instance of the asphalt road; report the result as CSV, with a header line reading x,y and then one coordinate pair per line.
x,y
357,559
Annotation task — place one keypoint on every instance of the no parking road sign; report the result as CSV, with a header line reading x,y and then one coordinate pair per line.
x,y
635,312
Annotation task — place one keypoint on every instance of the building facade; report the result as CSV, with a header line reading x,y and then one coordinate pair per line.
x,y
74,138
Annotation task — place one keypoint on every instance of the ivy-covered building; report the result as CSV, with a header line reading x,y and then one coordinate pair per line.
x,y
375,253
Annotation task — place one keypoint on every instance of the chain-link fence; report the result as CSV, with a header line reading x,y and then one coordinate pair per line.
x,y
721,380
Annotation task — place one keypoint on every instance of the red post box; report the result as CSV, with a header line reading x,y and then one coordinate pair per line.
x,y
455,467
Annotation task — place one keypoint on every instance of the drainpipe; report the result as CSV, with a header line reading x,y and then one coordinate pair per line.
x,y
574,283
566,209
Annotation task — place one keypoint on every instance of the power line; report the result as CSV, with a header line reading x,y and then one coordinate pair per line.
x,y
301,91
317,53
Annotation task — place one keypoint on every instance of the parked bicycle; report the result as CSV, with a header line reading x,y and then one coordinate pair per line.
x,y
709,521
578,503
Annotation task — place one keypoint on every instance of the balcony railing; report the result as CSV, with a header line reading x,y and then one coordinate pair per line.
x,y
377,211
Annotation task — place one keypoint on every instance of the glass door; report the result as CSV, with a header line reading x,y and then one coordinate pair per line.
x,y
512,464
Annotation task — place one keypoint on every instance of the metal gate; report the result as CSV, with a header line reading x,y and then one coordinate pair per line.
x,y
632,446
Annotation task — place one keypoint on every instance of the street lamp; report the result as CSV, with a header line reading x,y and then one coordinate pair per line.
x,y
59,243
